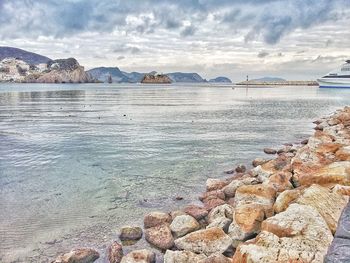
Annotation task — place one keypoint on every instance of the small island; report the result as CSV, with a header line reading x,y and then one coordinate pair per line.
x,y
156,79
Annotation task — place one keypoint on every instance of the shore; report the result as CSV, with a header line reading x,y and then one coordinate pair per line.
x,y
284,209
278,83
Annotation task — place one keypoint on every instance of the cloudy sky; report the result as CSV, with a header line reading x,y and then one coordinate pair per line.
x,y
295,39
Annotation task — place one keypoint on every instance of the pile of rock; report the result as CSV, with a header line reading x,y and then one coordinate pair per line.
x,y
282,210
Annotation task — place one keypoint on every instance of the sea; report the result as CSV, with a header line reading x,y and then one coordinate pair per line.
x,y
79,161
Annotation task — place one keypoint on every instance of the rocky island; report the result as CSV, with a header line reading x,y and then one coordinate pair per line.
x,y
156,79
289,208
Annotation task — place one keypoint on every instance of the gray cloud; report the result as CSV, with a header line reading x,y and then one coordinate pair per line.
x,y
269,20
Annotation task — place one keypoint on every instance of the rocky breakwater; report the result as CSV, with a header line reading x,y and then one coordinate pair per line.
x,y
284,209
54,71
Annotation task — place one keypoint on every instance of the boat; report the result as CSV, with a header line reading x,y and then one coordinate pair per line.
x,y
339,78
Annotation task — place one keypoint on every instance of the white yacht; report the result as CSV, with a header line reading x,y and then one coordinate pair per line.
x,y
339,78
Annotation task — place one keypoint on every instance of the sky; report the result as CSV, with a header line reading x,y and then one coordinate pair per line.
x,y
293,39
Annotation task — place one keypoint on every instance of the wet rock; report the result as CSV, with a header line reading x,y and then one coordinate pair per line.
x,y
240,168
215,184
270,151
183,225
183,257
160,236
208,241
130,233
140,256
213,195
80,255
115,253
156,218
212,203
259,161
298,234
304,141
196,211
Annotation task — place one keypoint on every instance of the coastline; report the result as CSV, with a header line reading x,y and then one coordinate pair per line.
x,y
259,211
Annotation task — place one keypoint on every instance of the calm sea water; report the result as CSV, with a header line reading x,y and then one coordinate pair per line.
x,y
79,161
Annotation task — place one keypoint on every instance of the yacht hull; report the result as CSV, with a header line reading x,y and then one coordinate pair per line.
x,y
334,83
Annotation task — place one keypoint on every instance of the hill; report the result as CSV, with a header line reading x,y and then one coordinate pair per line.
x,y
26,56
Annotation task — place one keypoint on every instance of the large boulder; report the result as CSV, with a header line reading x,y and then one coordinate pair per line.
x,y
230,189
155,219
183,225
140,256
215,184
80,255
299,234
221,216
208,241
160,236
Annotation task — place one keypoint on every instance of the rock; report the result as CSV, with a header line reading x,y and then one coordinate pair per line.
x,y
259,161
140,256
183,225
196,211
160,236
280,181
213,195
284,199
114,253
222,211
217,258
230,189
246,222
304,141
343,229
176,213
341,189
209,204
215,184
156,218
329,204
240,168
130,233
269,151
221,217
208,241
298,234
80,255
343,154
183,257
329,175
256,194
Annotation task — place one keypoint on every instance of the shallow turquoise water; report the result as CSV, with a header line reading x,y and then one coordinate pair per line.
x,y
88,159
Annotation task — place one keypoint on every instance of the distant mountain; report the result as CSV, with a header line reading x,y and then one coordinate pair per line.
x,y
103,73
185,77
28,57
269,79
220,80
